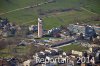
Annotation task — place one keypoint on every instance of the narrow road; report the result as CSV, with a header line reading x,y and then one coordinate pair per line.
x,y
88,10
18,9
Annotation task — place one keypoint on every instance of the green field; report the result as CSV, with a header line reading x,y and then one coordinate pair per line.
x,y
74,47
12,50
92,5
29,16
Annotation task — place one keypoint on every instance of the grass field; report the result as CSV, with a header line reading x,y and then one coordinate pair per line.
x,y
12,50
92,5
73,47
30,15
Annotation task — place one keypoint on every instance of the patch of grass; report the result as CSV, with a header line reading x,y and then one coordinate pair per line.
x,y
73,47
22,49
11,50
65,18
6,55
92,5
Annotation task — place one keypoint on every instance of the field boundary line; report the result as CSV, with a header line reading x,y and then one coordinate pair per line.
x,y
27,22
88,10
14,10
39,4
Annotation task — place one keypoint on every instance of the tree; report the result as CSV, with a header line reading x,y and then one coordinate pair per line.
x,y
9,1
